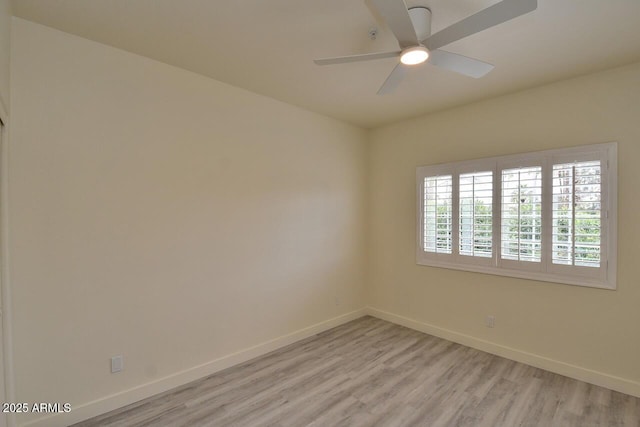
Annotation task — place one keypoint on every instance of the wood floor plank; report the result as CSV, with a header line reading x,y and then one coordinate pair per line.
x,y
373,373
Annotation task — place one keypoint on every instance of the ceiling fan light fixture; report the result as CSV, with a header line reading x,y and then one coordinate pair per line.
x,y
414,55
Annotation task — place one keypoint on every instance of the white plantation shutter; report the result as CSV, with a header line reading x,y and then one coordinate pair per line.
x,y
550,215
438,212
521,214
476,214
577,214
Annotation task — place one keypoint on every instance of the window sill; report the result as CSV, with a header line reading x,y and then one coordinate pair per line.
x,y
519,274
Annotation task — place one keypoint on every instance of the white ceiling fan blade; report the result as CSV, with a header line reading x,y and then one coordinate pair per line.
x,y
394,79
356,58
459,63
396,15
487,18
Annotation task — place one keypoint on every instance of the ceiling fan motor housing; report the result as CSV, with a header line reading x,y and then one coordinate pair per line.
x,y
421,20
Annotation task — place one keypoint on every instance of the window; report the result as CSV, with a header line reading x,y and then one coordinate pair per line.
x,y
576,214
549,215
521,237
437,214
476,214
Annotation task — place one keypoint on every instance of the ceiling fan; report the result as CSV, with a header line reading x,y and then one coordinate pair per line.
x,y
412,29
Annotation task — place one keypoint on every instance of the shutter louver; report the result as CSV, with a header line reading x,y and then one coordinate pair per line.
x,y
521,229
476,210
438,210
577,211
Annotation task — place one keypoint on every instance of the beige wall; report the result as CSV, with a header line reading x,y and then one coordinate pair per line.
x,y
167,217
5,48
582,327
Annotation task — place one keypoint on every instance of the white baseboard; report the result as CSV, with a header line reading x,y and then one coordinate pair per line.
x,y
572,371
118,400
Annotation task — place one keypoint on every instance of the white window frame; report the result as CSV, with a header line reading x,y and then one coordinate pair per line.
x,y
603,277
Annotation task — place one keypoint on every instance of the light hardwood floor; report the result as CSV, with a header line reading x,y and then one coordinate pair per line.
x,y
369,372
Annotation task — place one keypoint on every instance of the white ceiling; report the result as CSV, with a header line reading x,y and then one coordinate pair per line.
x,y
268,47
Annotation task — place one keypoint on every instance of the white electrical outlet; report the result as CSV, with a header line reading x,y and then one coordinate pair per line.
x,y
490,321
117,364
337,300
